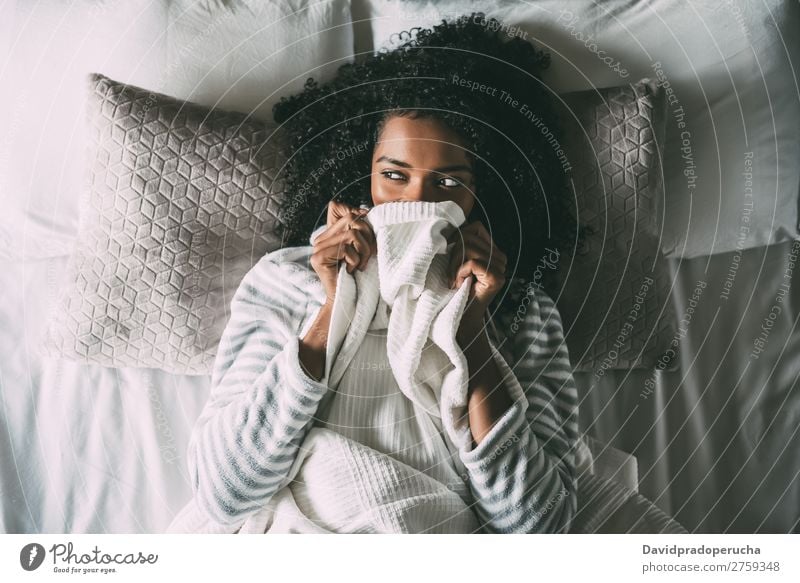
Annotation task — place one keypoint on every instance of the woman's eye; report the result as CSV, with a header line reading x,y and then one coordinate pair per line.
x,y
392,175
449,182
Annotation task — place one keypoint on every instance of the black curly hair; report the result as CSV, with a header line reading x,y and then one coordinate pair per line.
x,y
520,180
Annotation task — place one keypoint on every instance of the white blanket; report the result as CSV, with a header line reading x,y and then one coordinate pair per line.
x,y
340,485
331,467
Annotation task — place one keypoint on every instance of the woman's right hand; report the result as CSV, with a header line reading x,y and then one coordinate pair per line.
x,y
347,238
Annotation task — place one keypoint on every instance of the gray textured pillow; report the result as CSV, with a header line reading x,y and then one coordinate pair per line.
x,y
614,297
181,202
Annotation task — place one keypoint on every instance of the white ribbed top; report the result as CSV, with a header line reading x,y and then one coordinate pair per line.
x,y
369,408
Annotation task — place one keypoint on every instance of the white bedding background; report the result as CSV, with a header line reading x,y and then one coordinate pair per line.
x,y
718,440
89,449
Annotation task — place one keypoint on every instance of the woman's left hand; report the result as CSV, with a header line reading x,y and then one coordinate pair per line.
x,y
475,254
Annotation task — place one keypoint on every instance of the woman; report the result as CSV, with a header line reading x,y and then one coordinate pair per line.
x,y
427,135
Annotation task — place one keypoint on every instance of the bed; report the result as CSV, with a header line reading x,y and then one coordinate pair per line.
x,y
712,441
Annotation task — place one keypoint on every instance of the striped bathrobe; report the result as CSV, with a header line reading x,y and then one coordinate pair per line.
x,y
522,475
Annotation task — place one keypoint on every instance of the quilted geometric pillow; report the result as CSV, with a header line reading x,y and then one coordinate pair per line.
x,y
181,201
614,296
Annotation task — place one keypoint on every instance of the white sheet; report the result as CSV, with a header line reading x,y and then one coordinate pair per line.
x,y
718,440
84,448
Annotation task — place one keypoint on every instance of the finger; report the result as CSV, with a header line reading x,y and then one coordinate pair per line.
x,y
334,213
368,232
479,233
351,237
337,209
349,255
480,230
503,268
476,245
353,219
478,238
332,255
468,269
351,240
482,271
487,281
360,224
362,246
337,227
476,248
456,259
358,239
475,231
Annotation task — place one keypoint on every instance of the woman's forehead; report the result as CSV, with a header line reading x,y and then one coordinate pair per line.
x,y
420,142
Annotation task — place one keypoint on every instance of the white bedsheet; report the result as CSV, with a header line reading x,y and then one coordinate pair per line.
x,y
718,440
88,449
84,448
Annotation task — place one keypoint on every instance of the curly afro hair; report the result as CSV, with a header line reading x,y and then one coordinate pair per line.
x,y
520,180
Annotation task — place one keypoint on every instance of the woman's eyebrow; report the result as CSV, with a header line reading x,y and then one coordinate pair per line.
x,y
393,161
443,169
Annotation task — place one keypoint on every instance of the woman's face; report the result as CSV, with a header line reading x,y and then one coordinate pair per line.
x,y
421,159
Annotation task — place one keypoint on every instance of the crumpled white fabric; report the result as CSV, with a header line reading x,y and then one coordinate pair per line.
x,y
410,274
338,485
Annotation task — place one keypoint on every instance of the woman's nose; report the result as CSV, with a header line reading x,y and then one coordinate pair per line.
x,y
420,190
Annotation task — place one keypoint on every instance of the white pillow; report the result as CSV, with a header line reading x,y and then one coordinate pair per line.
x,y
181,202
716,57
52,47
237,55
243,56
